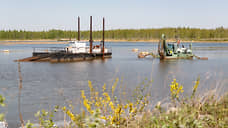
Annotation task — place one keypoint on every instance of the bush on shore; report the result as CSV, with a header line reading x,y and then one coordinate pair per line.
x,y
104,110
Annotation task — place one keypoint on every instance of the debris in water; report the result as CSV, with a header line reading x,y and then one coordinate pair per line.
x,y
6,50
135,50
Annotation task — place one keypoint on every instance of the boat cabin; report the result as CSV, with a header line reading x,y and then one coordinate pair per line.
x,y
77,47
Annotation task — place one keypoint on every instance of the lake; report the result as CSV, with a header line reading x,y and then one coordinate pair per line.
x,y
48,84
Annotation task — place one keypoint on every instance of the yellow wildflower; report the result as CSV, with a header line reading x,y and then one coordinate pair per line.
x,y
196,85
64,108
103,117
104,87
114,85
112,106
125,107
118,109
107,96
90,86
130,107
176,89
71,115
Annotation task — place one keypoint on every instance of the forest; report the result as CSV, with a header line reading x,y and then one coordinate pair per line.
x,y
185,33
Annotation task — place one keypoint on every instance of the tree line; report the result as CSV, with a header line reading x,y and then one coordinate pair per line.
x,y
120,34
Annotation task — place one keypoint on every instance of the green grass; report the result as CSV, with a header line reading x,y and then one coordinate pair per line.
x,y
211,113
105,110
102,109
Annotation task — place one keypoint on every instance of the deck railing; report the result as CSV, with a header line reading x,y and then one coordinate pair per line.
x,y
60,49
49,49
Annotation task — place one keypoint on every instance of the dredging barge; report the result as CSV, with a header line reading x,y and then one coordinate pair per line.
x,y
173,50
75,51
167,51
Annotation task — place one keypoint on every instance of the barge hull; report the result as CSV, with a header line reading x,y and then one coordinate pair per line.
x,y
64,57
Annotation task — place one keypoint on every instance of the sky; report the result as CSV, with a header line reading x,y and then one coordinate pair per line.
x,y
39,15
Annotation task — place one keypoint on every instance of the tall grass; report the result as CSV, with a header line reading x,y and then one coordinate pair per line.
x,y
104,109
2,104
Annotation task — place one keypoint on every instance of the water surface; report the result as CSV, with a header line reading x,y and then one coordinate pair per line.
x,y
48,84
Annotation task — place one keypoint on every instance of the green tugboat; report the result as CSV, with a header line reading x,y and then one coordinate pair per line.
x,y
173,50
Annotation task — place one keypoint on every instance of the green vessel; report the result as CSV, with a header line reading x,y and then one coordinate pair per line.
x,y
173,50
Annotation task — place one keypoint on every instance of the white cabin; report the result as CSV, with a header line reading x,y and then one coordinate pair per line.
x,y
77,47
80,47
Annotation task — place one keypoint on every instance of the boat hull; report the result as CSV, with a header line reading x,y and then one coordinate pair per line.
x,y
64,57
179,56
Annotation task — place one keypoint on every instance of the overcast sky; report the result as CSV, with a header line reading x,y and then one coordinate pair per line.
x,y
39,15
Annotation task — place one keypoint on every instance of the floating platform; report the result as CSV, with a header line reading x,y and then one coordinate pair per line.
x,y
75,51
64,57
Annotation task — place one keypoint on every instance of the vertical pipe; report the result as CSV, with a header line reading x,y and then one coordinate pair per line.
x,y
70,35
91,40
103,40
78,28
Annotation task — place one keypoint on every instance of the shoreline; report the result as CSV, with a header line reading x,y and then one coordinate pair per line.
x,y
169,40
8,42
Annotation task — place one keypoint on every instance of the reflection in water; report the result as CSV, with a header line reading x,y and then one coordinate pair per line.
x,y
49,84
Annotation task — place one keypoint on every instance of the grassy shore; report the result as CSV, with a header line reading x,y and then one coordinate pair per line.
x,y
11,42
106,110
172,40
65,41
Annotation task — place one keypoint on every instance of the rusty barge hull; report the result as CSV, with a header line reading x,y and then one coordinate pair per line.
x,y
173,58
64,57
